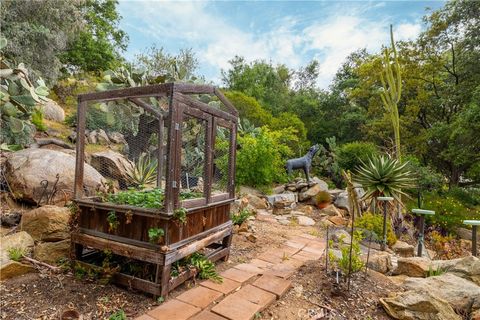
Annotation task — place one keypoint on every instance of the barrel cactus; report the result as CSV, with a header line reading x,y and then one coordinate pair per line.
x,y
19,100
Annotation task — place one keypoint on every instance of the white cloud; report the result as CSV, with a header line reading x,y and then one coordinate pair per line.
x,y
217,40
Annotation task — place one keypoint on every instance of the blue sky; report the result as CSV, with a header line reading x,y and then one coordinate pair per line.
x,y
288,32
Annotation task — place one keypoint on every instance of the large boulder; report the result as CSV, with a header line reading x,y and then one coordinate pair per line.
x,y
403,249
51,252
330,210
414,267
459,292
342,201
26,169
379,261
116,137
20,240
10,269
418,305
112,165
52,111
467,267
305,221
47,223
256,202
311,192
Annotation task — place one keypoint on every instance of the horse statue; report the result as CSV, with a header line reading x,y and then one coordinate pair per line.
x,y
304,162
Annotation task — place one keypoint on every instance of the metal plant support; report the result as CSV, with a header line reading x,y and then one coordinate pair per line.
x,y
421,235
384,234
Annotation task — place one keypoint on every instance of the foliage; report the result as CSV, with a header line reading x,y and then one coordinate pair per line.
x,y
15,254
152,198
343,263
470,197
240,217
326,163
351,155
323,197
426,178
143,173
19,98
445,246
374,223
391,78
154,234
180,214
449,211
261,158
97,46
118,315
384,176
112,220
206,268
249,108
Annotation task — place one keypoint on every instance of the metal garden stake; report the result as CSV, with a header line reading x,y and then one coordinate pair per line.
x,y
384,240
474,224
421,236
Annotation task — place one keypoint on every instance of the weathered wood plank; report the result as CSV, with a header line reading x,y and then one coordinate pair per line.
x,y
135,92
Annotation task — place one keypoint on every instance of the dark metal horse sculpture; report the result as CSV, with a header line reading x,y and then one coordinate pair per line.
x,y
304,162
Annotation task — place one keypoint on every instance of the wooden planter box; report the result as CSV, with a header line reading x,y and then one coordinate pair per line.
x,y
208,227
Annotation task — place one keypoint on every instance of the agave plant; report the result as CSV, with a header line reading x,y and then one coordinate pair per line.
x,y
143,173
384,176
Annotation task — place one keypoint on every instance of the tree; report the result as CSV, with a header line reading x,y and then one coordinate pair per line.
x,y
39,31
307,76
249,108
97,47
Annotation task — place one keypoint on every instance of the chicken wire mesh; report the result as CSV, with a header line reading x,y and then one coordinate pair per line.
x,y
221,160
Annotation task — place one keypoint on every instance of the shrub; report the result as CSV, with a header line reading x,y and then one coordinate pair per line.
x,y
351,155
344,262
374,223
240,217
426,178
470,197
249,108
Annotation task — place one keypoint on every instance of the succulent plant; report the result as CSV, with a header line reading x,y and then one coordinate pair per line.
x,y
19,100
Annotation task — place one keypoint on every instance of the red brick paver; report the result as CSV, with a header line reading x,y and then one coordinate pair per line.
x,y
262,264
200,296
173,309
207,315
238,275
236,308
256,295
273,284
282,270
225,287
249,267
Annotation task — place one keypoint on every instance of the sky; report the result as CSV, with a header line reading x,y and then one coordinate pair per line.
x,y
282,32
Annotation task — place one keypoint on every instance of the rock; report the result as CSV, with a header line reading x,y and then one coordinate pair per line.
x,y
51,252
467,268
413,267
52,111
278,189
251,237
117,138
379,261
340,236
92,137
256,202
10,219
399,280
464,233
47,223
283,204
297,213
20,240
311,192
102,137
418,305
330,210
403,249
475,315
337,220
112,165
334,193
10,269
305,221
323,185
25,170
284,222
289,197
458,292
306,209
342,201
244,190
73,137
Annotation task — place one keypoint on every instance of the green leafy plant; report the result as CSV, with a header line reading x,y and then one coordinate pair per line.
x,y
180,215
112,220
241,216
118,315
153,198
351,155
433,272
323,197
374,223
37,120
384,176
205,267
343,262
143,173
155,234
15,254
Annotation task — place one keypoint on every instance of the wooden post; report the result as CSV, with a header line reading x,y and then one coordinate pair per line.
x,y
80,153
160,147
385,202
421,236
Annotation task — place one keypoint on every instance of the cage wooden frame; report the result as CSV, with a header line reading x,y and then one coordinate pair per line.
x,y
208,223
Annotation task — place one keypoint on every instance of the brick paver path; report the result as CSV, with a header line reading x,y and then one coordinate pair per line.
x,y
247,288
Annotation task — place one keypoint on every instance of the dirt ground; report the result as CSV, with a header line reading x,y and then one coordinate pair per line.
x,y
44,295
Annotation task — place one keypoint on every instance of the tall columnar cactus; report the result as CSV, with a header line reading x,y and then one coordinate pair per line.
x,y
391,78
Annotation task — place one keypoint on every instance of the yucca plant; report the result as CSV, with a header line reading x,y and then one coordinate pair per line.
x,y
384,176
143,173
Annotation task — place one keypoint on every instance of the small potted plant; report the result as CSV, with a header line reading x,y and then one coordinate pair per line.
x,y
323,199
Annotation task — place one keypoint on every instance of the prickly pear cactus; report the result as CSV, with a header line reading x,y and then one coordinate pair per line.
x,y
19,99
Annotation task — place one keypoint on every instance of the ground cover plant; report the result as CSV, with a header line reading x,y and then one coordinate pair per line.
x,y
151,199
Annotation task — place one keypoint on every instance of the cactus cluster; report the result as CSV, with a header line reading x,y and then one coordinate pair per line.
x,y
19,100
